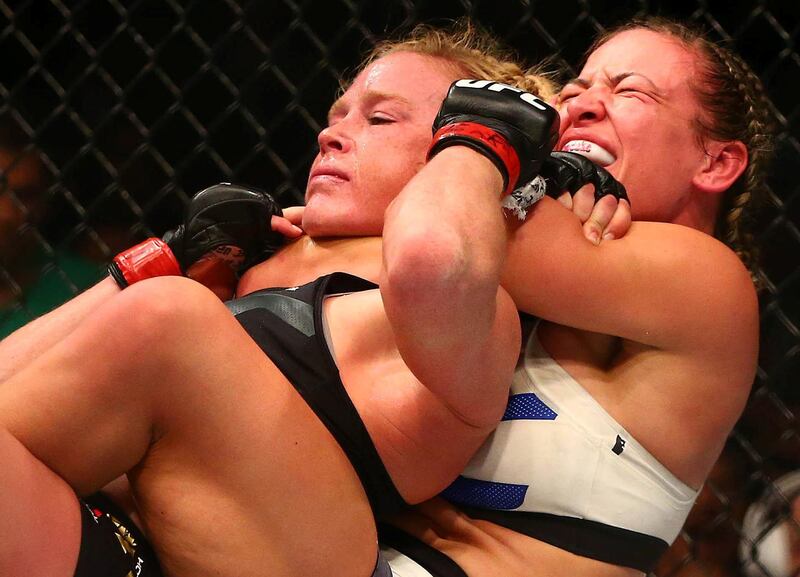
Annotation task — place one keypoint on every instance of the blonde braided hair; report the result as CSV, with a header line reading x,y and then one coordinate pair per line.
x,y
736,108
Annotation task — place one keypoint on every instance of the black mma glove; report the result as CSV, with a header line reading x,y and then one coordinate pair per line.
x,y
568,171
225,221
513,128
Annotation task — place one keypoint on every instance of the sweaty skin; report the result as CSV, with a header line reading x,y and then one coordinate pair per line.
x,y
665,342
210,432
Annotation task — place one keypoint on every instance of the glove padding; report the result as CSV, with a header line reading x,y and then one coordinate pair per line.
x,y
475,112
568,171
225,222
231,221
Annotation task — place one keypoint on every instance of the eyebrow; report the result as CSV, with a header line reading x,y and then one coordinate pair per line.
x,y
371,96
616,79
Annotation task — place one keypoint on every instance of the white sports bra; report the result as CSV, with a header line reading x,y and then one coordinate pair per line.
x,y
561,469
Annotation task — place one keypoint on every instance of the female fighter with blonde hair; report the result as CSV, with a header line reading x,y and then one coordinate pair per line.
x,y
265,442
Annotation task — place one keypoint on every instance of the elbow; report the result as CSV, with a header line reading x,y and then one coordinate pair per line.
x,y
424,258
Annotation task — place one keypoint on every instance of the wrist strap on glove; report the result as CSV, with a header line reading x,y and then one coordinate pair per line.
x,y
145,260
485,140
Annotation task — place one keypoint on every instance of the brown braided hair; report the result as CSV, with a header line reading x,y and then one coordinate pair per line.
x,y
736,108
473,52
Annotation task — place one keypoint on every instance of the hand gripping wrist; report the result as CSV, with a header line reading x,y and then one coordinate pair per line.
x,y
569,171
147,259
484,140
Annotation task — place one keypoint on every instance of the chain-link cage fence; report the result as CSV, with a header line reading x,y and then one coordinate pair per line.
x,y
115,111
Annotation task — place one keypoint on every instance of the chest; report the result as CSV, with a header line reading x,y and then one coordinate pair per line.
x,y
306,259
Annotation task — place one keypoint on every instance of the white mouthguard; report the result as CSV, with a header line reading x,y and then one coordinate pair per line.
x,y
590,150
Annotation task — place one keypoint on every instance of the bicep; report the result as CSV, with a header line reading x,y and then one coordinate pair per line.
x,y
662,285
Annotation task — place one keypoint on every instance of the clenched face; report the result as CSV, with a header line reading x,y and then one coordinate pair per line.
x,y
377,138
632,109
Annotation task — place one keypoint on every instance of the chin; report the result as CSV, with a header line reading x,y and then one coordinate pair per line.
x,y
315,225
315,218
324,217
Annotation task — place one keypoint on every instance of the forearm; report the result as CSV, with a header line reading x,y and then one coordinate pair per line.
x,y
553,272
444,243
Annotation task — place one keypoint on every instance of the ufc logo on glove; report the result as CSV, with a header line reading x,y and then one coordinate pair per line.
x,y
499,87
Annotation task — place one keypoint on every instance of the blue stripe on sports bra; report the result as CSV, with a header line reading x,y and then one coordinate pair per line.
x,y
528,406
485,494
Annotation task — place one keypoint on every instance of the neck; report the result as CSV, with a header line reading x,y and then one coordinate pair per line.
x,y
701,213
306,258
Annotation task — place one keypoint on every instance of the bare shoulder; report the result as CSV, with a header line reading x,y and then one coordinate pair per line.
x,y
706,357
685,311
707,289
700,356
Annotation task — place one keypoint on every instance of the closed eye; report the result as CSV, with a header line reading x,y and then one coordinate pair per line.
x,y
634,93
376,120
565,97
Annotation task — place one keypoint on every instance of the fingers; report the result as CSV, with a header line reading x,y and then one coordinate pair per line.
x,y
600,216
294,214
566,200
604,219
583,202
285,227
620,221
609,219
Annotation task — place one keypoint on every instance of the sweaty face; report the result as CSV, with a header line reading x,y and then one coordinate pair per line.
x,y
377,137
632,110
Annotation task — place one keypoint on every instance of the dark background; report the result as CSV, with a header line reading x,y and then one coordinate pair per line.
x,y
113,112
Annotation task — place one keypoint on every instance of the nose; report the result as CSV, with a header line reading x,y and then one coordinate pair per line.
x,y
334,138
587,107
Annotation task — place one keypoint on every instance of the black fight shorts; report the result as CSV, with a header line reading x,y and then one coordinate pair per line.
x,y
111,545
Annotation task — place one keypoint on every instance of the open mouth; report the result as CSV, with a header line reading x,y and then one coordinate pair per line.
x,y
590,150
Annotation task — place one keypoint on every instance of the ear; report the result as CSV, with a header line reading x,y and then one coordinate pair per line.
x,y
724,163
